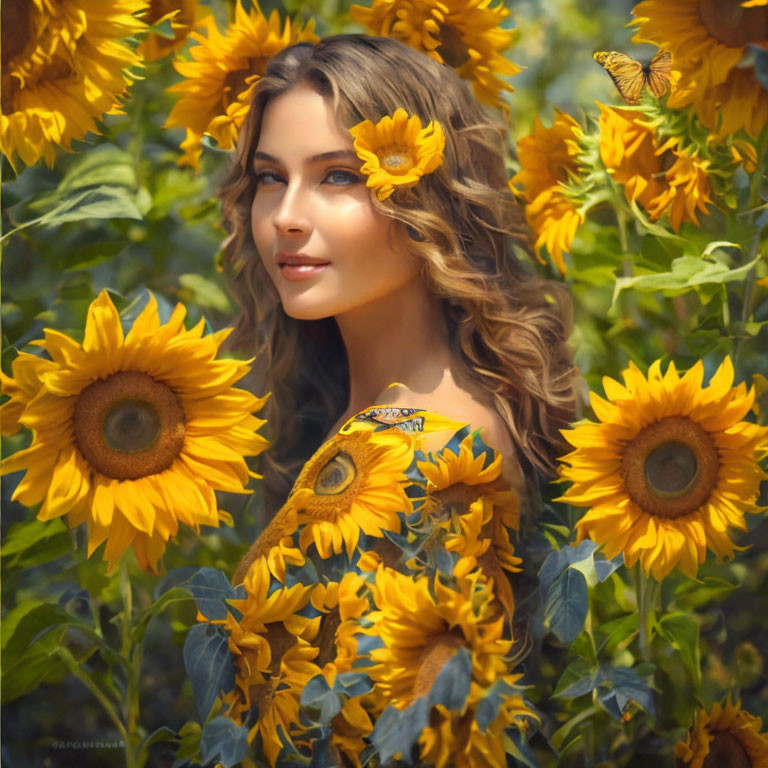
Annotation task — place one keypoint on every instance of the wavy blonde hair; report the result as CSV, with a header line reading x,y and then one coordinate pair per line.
x,y
508,328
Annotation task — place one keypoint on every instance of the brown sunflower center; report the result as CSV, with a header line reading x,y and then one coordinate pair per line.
x,y
732,25
129,425
336,475
440,650
238,80
159,8
671,467
15,30
725,749
396,159
452,49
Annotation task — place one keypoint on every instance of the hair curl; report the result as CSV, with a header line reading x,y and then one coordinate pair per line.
x,y
508,328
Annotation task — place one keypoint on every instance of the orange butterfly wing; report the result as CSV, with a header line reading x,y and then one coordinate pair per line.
x,y
659,71
626,73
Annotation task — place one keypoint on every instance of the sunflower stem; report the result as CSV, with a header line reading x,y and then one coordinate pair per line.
x,y
132,662
621,220
748,298
645,590
78,672
762,150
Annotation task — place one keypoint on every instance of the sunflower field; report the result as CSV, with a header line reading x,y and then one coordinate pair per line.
x,y
633,625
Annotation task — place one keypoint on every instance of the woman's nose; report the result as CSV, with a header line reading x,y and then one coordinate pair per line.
x,y
291,214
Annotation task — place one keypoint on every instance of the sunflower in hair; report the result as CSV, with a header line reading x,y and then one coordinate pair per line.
x,y
132,433
397,151
669,467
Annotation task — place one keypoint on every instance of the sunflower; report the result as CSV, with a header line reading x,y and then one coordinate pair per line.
x,y
215,94
549,157
464,34
355,482
180,14
276,545
343,603
270,625
727,735
421,633
63,67
668,468
465,497
709,41
21,388
397,151
469,461
663,178
132,434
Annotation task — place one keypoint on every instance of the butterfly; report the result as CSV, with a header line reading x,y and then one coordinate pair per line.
x,y
631,76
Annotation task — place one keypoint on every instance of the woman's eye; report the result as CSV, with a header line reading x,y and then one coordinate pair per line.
x,y
347,177
350,177
261,176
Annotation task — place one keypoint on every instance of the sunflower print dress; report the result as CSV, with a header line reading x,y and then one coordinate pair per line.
x,y
377,605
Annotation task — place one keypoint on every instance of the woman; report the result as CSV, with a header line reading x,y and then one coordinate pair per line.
x,y
423,289
386,329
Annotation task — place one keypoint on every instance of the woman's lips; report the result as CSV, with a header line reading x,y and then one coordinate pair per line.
x,y
294,272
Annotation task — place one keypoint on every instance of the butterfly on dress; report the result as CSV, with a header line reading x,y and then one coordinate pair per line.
x,y
631,76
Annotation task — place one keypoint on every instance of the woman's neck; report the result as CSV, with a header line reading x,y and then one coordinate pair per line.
x,y
402,337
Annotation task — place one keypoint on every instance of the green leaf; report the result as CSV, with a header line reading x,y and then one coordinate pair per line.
x,y
30,625
654,252
613,633
566,607
32,635
164,733
172,596
189,741
451,687
557,562
211,589
104,202
321,703
41,663
687,273
561,734
760,56
92,254
516,746
579,677
34,542
208,664
396,731
104,164
488,708
224,742
626,684
205,292
682,631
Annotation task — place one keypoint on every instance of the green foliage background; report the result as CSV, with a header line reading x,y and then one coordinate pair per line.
x,y
119,213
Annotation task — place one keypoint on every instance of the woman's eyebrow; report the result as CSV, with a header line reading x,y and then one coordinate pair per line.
x,y
339,153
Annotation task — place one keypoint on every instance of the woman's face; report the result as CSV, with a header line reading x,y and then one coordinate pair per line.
x,y
319,210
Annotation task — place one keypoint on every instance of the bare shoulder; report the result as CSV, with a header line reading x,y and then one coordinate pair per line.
x,y
461,406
